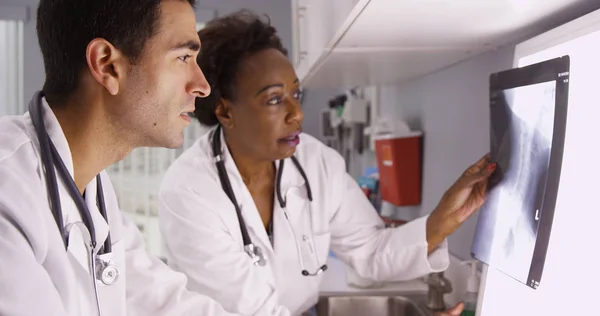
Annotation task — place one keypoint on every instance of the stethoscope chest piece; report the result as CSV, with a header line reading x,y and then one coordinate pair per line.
x,y
256,255
106,270
102,266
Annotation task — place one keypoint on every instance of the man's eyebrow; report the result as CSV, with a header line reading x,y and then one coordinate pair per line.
x,y
192,45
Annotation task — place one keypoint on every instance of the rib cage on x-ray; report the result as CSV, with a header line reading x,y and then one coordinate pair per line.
x,y
521,139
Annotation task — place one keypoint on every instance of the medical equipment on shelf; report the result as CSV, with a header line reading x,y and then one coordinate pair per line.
x,y
254,252
101,265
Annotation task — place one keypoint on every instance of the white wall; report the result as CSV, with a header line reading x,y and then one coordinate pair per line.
x,y
451,108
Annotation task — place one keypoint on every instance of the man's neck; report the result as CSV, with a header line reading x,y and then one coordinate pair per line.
x,y
93,142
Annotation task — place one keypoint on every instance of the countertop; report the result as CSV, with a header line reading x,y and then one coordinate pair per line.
x,y
336,277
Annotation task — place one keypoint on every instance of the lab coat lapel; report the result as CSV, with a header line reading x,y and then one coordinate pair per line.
x,y
76,249
293,190
244,198
100,225
294,194
69,209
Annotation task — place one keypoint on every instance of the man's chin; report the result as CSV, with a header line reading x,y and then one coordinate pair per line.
x,y
174,142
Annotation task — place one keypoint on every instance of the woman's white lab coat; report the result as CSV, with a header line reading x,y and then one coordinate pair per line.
x,y
203,238
39,277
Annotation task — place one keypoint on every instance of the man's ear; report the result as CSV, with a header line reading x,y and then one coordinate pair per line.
x,y
107,64
224,113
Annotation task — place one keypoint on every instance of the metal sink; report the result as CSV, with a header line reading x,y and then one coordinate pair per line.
x,y
373,304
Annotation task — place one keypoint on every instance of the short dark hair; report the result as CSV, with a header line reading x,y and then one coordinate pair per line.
x,y
226,42
65,28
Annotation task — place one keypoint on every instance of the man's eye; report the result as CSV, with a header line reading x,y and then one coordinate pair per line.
x,y
184,58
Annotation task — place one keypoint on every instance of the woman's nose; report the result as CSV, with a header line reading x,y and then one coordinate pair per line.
x,y
295,112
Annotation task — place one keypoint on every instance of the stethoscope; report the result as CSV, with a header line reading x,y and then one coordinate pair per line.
x,y
101,266
255,252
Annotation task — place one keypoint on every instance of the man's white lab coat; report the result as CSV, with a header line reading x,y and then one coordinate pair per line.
x,y
39,277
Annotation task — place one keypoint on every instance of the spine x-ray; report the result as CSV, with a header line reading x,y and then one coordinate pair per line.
x,y
527,126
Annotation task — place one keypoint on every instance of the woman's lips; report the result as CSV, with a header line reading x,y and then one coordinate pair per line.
x,y
292,139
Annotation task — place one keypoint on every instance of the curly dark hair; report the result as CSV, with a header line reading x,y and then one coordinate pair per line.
x,y
226,42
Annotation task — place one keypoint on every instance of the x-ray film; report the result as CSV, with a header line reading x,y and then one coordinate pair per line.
x,y
528,111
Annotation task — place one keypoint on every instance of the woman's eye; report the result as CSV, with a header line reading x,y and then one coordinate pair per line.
x,y
184,58
298,95
274,100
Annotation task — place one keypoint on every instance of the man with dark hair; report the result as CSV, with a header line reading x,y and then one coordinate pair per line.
x,y
120,74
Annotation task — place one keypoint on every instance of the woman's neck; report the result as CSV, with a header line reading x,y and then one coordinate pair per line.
x,y
253,171
258,176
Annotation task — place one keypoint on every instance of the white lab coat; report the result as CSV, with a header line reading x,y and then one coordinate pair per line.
x,y
37,275
203,238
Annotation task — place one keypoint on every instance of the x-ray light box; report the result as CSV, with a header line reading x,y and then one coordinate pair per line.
x,y
528,111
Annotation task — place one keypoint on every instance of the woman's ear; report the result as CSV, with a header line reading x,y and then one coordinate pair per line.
x,y
224,113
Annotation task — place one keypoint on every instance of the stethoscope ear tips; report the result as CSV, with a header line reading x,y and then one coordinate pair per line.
x,y
304,273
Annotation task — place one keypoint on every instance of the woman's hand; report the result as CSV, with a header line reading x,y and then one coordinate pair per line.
x,y
454,311
459,202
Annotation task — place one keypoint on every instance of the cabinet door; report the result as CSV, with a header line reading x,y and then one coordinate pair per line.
x,y
315,23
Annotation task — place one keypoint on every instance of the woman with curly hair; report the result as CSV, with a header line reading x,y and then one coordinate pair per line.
x,y
252,209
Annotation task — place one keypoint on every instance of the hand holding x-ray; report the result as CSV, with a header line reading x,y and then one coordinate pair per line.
x,y
460,201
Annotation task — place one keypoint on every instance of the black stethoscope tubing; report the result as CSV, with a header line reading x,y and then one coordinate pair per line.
x,y
52,161
226,184
254,252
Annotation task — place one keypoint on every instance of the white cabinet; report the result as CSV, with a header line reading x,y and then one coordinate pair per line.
x,y
348,43
315,27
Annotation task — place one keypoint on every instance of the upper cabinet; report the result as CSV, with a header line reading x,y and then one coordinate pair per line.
x,y
348,43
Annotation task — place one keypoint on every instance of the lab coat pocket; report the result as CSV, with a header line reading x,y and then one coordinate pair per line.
x,y
317,259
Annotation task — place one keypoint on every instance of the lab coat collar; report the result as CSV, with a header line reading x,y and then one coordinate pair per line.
x,y
249,211
100,224
293,192
291,177
70,211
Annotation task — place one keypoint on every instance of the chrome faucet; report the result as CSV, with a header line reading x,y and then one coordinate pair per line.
x,y
438,286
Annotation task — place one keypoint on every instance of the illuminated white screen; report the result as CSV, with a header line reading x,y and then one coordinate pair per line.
x,y
570,278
